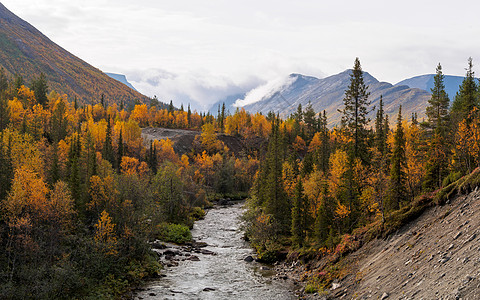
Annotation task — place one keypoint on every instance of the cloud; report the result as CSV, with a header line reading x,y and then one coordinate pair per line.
x,y
200,89
265,91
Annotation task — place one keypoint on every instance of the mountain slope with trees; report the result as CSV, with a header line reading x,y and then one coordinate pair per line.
x,y
27,52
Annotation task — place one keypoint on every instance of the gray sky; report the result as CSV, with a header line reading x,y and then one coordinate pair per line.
x,y
202,51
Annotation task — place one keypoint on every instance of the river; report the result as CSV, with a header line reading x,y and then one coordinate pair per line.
x,y
222,276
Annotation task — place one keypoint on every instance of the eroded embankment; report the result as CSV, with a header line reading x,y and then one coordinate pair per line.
x,y
437,256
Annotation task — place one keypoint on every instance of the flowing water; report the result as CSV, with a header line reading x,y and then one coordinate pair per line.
x,y
222,276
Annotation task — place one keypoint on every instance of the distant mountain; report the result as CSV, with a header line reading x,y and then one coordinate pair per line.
x,y
122,78
327,94
229,101
425,82
26,51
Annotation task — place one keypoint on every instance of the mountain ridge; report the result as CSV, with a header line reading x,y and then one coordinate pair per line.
x,y
327,94
28,52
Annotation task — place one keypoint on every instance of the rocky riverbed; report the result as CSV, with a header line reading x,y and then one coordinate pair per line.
x,y
218,265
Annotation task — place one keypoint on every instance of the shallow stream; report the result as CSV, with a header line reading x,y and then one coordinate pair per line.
x,y
224,275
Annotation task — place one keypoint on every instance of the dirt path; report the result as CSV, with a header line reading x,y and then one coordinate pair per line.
x,y
435,257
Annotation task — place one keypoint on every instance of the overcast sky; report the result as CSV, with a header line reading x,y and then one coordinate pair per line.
x,y
202,51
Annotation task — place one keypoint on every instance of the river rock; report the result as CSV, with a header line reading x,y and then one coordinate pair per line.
x,y
384,296
193,258
248,258
158,245
207,252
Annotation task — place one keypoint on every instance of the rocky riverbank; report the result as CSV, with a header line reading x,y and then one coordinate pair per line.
x,y
214,265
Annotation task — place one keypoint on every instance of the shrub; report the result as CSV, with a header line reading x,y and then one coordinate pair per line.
x,y
175,233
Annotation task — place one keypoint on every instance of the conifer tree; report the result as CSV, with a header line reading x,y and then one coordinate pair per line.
x,y
107,146
6,168
380,132
269,189
189,116
467,96
437,120
398,192
324,155
4,111
40,89
354,114
120,151
299,215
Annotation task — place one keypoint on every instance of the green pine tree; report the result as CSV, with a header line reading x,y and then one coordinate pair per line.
x,y
398,191
40,89
354,114
107,146
467,96
437,121
299,215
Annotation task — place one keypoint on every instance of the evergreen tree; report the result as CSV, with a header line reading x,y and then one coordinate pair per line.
x,y
437,120
120,151
354,113
107,146
310,121
380,132
17,83
437,109
40,89
189,116
6,168
299,215
102,100
268,187
324,154
171,108
91,155
398,192
467,96
4,111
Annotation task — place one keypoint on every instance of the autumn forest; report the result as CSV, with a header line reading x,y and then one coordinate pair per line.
x,y
83,195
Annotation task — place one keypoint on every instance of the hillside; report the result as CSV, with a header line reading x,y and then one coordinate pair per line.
x,y
435,256
327,94
425,82
26,51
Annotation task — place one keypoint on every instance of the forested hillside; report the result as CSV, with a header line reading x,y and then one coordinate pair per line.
x,y
28,53
82,196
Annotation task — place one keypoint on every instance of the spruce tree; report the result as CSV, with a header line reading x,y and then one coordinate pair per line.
x,y
273,193
437,120
120,151
40,89
6,168
299,215
107,146
467,96
324,155
354,114
4,111
398,192
380,132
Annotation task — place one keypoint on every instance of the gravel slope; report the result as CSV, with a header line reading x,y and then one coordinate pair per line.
x,y
435,257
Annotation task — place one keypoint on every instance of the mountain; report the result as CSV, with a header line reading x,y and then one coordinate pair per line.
x,y
327,94
425,82
122,78
26,51
229,101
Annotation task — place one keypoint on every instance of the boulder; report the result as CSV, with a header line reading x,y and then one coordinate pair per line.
x,y
248,258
